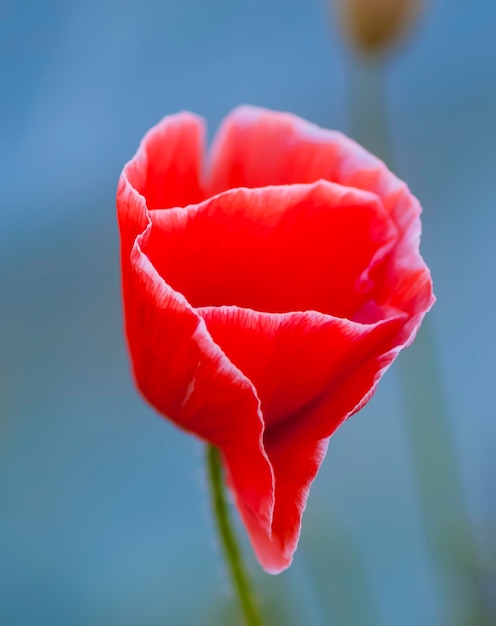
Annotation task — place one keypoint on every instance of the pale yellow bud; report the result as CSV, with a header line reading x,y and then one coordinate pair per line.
x,y
375,25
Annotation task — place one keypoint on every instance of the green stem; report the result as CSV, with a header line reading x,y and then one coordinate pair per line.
x,y
368,111
232,553
447,524
446,521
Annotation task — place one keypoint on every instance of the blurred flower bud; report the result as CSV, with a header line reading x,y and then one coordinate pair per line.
x,y
375,25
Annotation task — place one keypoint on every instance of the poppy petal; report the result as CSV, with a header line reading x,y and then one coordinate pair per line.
x,y
167,168
262,317
177,366
311,371
275,249
255,147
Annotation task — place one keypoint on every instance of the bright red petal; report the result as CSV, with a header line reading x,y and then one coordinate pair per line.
x,y
275,249
177,366
186,377
166,170
246,246
257,147
324,285
311,372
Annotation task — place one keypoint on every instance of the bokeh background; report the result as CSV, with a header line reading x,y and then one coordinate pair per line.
x,y
104,513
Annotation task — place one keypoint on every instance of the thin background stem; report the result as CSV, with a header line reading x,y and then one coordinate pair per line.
x,y
445,517
232,553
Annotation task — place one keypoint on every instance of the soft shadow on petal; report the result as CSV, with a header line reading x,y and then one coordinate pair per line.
x,y
276,249
311,372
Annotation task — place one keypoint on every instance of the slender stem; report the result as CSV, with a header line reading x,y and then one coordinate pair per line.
x,y
447,524
368,111
232,553
446,521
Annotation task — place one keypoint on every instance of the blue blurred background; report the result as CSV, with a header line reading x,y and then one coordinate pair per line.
x,y
104,514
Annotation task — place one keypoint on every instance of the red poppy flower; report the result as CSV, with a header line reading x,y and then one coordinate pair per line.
x,y
266,291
